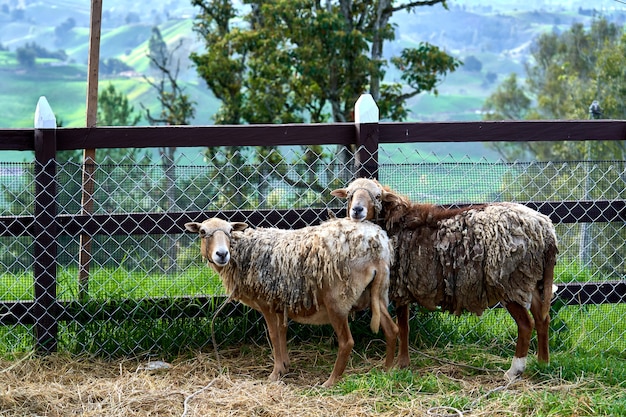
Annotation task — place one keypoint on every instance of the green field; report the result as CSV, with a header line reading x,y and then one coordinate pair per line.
x,y
592,329
65,89
64,84
118,283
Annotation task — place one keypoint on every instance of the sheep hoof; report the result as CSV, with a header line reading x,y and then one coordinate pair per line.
x,y
512,376
518,365
403,362
275,376
329,382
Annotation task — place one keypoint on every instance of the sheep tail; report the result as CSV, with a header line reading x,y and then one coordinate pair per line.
x,y
375,301
549,289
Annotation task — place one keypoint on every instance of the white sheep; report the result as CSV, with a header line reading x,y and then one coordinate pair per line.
x,y
465,259
314,275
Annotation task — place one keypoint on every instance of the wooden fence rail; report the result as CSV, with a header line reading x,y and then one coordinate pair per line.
x,y
45,311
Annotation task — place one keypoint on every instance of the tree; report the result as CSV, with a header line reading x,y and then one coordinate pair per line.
x,y
26,57
176,109
111,66
63,29
570,73
472,64
286,59
567,73
509,101
114,109
157,49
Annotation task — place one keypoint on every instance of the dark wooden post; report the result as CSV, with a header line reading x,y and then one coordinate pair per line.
x,y
44,229
367,133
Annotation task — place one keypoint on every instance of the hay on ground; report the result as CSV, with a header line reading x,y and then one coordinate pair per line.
x,y
60,385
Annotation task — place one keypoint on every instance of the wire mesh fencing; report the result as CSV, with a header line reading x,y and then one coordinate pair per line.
x,y
147,290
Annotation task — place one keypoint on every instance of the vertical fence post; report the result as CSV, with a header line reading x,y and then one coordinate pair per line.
x,y
89,155
45,231
366,118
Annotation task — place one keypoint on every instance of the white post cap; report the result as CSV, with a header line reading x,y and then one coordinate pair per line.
x,y
44,117
366,110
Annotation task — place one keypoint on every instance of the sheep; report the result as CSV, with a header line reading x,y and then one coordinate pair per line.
x,y
313,275
465,259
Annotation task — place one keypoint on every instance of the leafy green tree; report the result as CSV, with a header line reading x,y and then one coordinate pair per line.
x,y
509,101
567,73
114,109
288,60
570,76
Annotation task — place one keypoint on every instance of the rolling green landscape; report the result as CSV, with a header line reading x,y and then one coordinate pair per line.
x,y
495,37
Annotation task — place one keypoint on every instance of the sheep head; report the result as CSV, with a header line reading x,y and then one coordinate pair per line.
x,y
215,239
365,198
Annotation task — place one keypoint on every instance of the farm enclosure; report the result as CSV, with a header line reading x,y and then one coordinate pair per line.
x,y
146,289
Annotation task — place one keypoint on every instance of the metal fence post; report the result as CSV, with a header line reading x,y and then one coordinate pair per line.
x,y
366,118
584,252
45,230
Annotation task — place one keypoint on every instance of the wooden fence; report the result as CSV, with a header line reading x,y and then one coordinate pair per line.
x,y
46,226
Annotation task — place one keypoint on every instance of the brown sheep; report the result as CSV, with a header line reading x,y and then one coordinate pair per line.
x,y
314,275
465,259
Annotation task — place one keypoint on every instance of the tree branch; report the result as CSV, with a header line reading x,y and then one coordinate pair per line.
x,y
409,6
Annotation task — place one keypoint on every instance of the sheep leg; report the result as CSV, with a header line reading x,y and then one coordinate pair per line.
x,y
278,338
524,330
346,343
540,306
542,325
403,325
391,334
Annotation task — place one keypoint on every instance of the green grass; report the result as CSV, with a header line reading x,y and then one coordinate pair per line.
x,y
455,362
171,31
445,184
585,341
468,378
458,106
117,283
588,328
64,88
591,328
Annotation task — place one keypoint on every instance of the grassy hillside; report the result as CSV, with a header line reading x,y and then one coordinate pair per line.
x,y
64,84
126,29
65,88
497,34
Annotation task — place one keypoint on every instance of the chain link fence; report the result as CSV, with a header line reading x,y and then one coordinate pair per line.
x,y
149,292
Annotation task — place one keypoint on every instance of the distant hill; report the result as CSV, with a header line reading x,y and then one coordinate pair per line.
x,y
125,34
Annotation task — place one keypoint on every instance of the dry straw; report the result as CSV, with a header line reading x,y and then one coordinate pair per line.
x,y
60,385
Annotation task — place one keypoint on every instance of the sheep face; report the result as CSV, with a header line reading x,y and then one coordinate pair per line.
x,y
365,198
215,239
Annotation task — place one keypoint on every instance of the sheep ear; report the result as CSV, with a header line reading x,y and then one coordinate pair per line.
x,y
340,192
388,196
193,227
239,226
